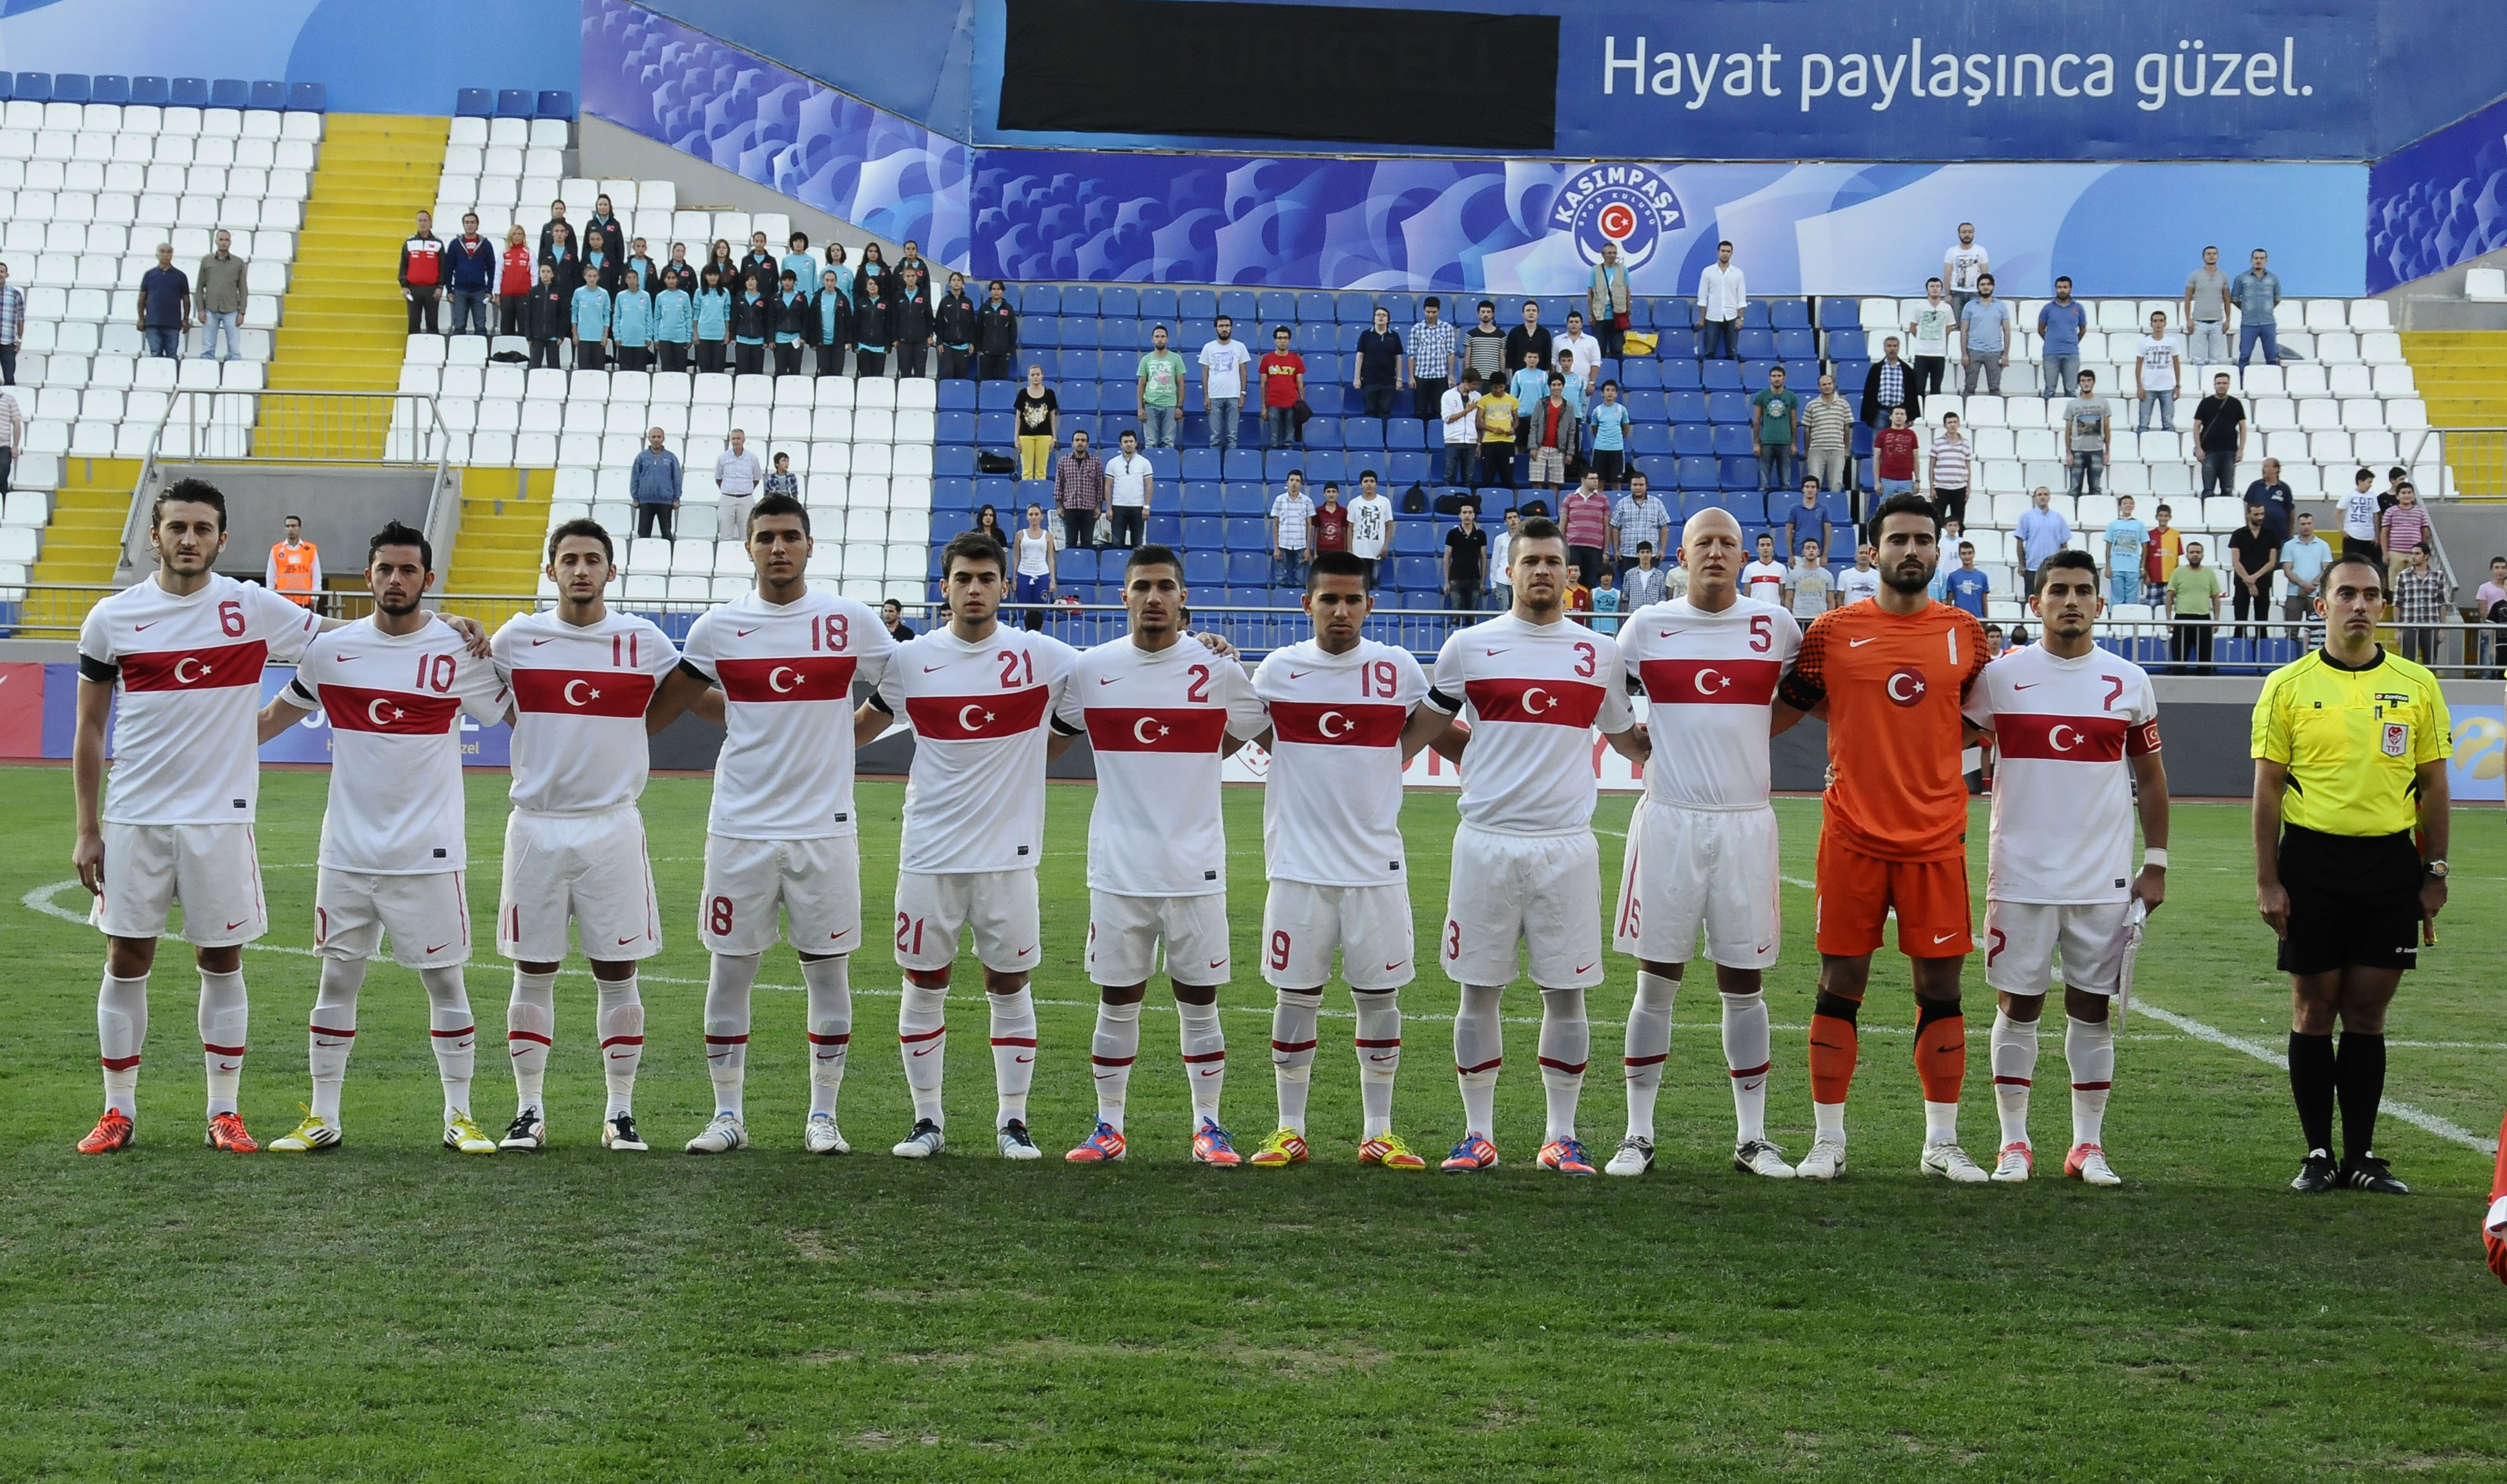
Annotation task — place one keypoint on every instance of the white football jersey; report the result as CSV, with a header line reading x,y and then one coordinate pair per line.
x,y
394,705
787,674
1710,679
580,695
1155,720
1332,803
1765,581
1532,694
2062,791
974,799
189,671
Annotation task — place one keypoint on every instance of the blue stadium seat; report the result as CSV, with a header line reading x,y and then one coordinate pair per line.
x,y
1753,314
1645,404
1700,472
1276,307
1754,374
1110,564
1655,438
946,523
1414,573
1076,566
1204,567
1553,311
1685,406
956,394
1755,343
1201,497
1734,438
996,397
1637,376
956,426
1795,345
1038,332
1190,336
1728,407
999,490
33,87
1691,438
1789,313
1241,306
230,93
72,87
111,88
1163,463
1313,338
996,430
1199,463
1326,464
1354,307
1241,463
1119,301
1077,396
1157,305
1317,304
1326,366
1322,432
1740,473
1324,397
1277,462
1720,375
514,103
1039,299
1122,333
1165,531
1204,533
1082,423
1250,569
1682,375
953,493
1848,344
1404,467
1197,304
1417,538
1677,341
1080,299
1245,501
954,461
194,93
1079,331
145,88
1358,433
1835,313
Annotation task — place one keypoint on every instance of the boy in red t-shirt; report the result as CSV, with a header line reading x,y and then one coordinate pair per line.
x,y
1284,386
1892,455
1331,522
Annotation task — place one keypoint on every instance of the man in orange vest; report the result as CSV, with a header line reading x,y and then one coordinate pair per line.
x,y
295,570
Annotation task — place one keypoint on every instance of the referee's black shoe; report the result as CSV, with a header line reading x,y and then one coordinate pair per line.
x,y
2318,1174
2373,1174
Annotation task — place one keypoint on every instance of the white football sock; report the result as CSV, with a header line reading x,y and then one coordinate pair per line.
x,y
455,1032
2014,1066
1940,1122
2089,1045
1110,1055
621,1008
1013,1054
120,1029
923,1044
726,1027
1566,1046
829,982
1648,1046
1292,1052
1479,1051
1205,1057
1379,1056
223,1013
333,1032
1827,1122
530,1027
1747,1057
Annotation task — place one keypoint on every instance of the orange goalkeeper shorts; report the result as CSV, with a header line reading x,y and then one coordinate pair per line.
x,y
1856,892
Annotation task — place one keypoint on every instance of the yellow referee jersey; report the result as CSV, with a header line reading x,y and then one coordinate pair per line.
x,y
2351,741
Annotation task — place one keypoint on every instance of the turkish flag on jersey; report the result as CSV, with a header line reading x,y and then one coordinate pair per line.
x,y
583,692
1328,725
194,669
2060,738
400,712
804,677
1710,682
1156,728
975,718
1541,702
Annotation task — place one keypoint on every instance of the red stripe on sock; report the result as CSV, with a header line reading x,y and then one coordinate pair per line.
x,y
1293,1047
1490,1065
1752,1072
621,1041
2010,1082
1574,1069
119,1063
1632,1061
1207,1055
1112,1061
1014,1040
920,1035
526,1036
345,1035
817,1039
2091,1087
224,1051
452,1034
1364,1044
720,1041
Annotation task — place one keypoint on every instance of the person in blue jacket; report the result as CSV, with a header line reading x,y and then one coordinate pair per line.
x,y
631,324
674,321
589,310
752,320
797,262
833,312
641,269
843,269
793,312
713,320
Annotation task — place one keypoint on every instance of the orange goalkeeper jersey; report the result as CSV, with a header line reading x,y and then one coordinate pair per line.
x,y
1894,686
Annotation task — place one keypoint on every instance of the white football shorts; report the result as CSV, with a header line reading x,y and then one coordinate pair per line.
x,y
1302,923
818,882
1125,933
428,916
214,870
589,868
999,907
1541,892
1699,870
2020,939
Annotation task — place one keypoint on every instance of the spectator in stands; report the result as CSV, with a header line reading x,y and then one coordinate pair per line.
x,y
736,474
2061,323
2160,556
844,271
1572,371
294,570
1462,568
2087,419
1033,581
710,307
794,314
1370,524
588,312
13,327
1890,385
1985,339
1776,428
1764,578
601,255
561,249
2219,437
831,323
1225,362
989,522
2205,311
1928,335
1379,365
1723,297
1459,411
1495,416
680,265
1484,348
1964,270
912,257
1828,436
1585,514
1607,301
1131,485
783,481
761,260
514,277
2154,375
1578,339
2253,556
2489,607
875,270
2303,557
12,433
1643,578
1500,552
2042,531
631,324
910,322
1284,385
1967,586
556,228
722,260
1157,391
2256,292
2125,537
1078,490
1606,603
797,261
2360,514
1037,413
1527,339
997,338
674,321
1431,346
421,276
1953,464
2280,507
2194,605
892,613
1810,591
1551,440
604,220
953,329
2390,495
469,270
1608,423
1807,520
1529,383
1292,516
1861,580
655,482
219,290
752,320
2420,591
548,317
1331,522
1893,454
2404,526
639,270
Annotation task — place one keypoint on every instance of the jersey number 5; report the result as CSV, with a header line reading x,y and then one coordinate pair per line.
x,y
1761,633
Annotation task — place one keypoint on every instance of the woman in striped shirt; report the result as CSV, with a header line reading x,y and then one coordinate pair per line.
x,y
1951,464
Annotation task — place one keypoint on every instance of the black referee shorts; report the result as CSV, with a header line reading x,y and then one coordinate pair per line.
x,y
2355,900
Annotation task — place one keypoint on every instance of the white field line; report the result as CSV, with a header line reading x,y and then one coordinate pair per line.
x,y
2445,1129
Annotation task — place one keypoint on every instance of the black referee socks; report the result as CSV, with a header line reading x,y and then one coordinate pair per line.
x,y
2312,1078
2362,1081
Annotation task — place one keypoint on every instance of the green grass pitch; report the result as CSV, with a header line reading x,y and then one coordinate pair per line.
x,y
392,1312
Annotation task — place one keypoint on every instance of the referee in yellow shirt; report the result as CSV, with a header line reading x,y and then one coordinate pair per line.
x,y
2351,745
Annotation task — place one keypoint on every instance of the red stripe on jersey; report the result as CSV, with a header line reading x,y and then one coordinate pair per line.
x,y
974,718
804,677
2143,740
1156,728
583,692
217,668
1371,725
2060,738
1539,702
1710,682
401,713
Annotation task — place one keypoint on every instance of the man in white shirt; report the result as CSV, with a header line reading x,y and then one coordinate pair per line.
x,y
2154,375
1588,351
777,666
1860,581
1130,484
1526,873
1500,551
1292,518
1461,429
1928,335
737,474
1159,712
1370,524
1763,579
1223,382
1962,267
1722,296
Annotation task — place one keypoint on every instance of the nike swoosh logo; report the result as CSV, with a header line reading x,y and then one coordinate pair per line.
x,y
238,922
1206,1072
1380,1056
621,1055
345,658
930,668
1106,1076
1108,679
536,643
2030,686
1668,632
143,628
1022,1061
922,1051
1396,963
1217,963
1944,937
1299,675
623,942
1494,653
1859,643
1024,952
1586,969
439,947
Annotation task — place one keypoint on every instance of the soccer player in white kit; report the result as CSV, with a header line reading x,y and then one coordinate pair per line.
x,y
582,678
1345,716
2077,731
392,688
780,662
1526,870
977,696
1159,712
1702,843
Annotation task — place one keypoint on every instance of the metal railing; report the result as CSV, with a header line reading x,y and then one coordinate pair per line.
x,y
2476,458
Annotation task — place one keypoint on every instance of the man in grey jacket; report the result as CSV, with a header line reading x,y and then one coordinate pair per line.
x,y
217,300
653,483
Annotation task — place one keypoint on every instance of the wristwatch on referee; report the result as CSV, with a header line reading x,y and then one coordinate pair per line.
x,y
2436,868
